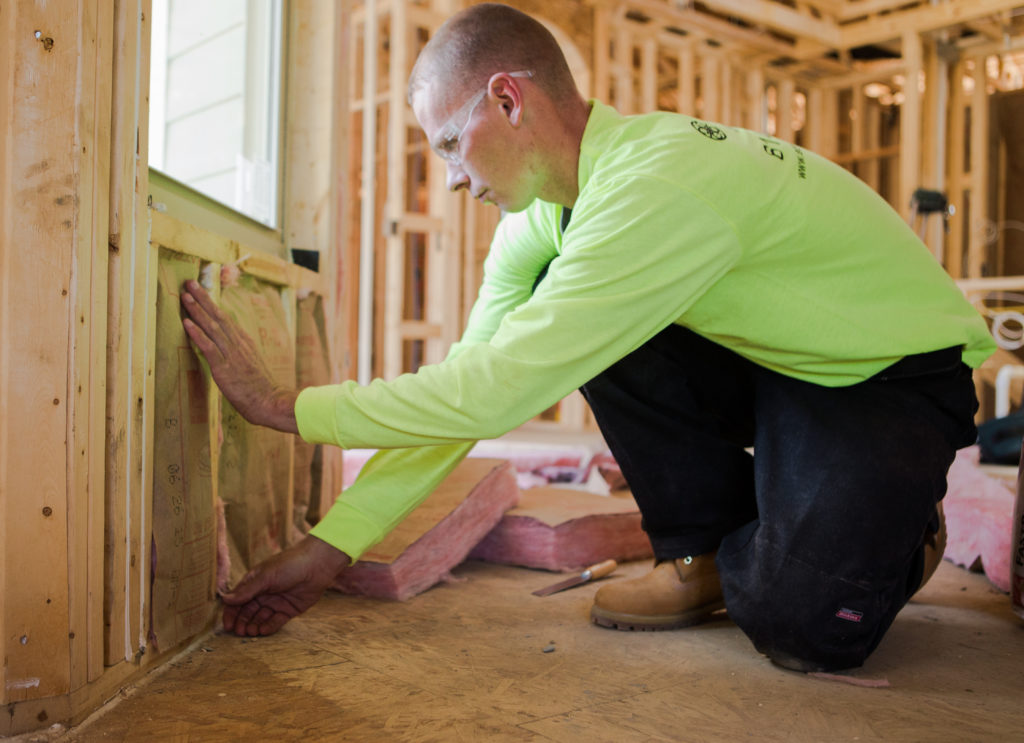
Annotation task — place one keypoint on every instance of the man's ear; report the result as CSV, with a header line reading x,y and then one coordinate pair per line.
x,y
505,89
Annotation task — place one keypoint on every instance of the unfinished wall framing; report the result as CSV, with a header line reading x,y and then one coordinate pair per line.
x,y
72,559
409,263
78,351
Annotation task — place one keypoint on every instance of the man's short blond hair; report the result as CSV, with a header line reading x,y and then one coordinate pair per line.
x,y
487,38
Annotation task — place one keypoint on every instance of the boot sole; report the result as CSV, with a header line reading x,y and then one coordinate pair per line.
x,y
643,623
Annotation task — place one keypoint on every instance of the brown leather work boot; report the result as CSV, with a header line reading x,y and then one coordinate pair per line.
x,y
934,547
677,593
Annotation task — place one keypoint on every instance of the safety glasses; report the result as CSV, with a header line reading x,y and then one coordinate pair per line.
x,y
450,136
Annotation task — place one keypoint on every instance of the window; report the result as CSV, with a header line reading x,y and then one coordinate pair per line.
x,y
215,100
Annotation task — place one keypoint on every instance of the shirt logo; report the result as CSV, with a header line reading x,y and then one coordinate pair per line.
x,y
708,130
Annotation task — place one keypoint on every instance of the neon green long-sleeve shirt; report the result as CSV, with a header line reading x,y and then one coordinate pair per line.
x,y
754,243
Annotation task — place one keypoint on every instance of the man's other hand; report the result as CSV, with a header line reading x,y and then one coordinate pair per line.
x,y
282,587
236,364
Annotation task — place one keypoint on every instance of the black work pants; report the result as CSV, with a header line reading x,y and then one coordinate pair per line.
x,y
820,532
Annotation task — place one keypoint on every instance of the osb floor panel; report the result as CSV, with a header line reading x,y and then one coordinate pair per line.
x,y
466,661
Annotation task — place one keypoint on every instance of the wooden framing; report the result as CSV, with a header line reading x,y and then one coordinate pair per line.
x,y
77,296
35,384
70,566
977,254
409,228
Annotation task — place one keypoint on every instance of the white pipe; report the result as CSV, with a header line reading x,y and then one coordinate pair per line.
x,y
367,218
1007,373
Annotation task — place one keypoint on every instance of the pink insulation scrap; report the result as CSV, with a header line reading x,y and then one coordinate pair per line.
x,y
979,518
535,464
563,529
352,462
548,463
223,554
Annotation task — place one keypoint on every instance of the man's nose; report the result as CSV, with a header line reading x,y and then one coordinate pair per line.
x,y
456,177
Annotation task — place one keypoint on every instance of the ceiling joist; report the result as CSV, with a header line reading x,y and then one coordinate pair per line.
x,y
779,17
820,38
922,18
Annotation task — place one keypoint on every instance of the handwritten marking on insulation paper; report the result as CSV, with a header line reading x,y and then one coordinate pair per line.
x,y
23,683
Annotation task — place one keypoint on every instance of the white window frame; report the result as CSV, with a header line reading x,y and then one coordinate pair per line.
x,y
176,198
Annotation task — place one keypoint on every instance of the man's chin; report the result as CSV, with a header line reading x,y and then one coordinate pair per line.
x,y
513,207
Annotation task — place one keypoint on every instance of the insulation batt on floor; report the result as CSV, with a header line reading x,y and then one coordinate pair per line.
x,y
979,518
437,535
479,512
562,529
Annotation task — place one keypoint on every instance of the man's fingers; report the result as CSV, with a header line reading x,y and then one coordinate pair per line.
x,y
211,319
264,615
276,622
241,620
206,316
252,584
202,297
229,617
274,613
262,619
203,342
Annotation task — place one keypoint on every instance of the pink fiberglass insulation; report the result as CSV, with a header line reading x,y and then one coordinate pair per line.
x,y
437,535
979,518
535,463
564,529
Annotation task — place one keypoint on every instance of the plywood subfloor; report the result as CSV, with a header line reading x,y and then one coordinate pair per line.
x,y
466,662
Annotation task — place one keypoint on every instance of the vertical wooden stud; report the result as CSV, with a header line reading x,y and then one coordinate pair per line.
x,y
86,424
339,262
977,250
910,123
955,245
124,486
143,312
40,199
709,92
784,110
623,69
871,132
756,118
649,75
728,100
830,123
369,229
935,144
602,52
395,235
815,119
687,78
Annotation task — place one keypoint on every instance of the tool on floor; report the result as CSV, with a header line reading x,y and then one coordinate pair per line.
x,y
599,570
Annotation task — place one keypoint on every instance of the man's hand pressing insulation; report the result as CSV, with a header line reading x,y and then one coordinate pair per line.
x,y
235,363
282,587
